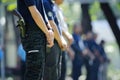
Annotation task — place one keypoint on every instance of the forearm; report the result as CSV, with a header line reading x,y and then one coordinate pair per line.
x,y
67,35
38,19
56,32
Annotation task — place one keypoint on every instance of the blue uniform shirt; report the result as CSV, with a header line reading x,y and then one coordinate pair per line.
x,y
75,44
91,44
50,12
22,6
102,52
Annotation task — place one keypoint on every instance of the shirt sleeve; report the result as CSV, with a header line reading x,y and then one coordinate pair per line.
x,y
48,10
76,47
29,2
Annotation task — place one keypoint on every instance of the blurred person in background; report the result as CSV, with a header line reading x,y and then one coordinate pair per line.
x,y
78,57
22,55
1,62
82,52
92,67
35,38
104,65
53,57
68,37
1,53
1,56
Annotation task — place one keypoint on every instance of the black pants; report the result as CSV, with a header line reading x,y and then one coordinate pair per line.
x,y
63,66
92,70
77,65
52,63
35,46
23,68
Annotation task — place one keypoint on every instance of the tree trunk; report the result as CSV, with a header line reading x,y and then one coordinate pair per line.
x,y
86,20
112,21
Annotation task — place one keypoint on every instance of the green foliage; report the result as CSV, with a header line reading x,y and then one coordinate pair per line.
x,y
11,4
11,7
71,13
5,1
118,6
116,9
95,11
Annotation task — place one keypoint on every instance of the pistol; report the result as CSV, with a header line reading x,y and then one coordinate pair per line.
x,y
20,23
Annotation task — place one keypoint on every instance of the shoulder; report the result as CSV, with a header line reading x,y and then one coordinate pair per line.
x,y
45,2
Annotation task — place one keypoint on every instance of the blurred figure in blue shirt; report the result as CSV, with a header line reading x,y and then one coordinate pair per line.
x,y
92,67
104,65
22,55
1,54
78,57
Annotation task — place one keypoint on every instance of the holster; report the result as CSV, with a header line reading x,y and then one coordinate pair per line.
x,y
22,28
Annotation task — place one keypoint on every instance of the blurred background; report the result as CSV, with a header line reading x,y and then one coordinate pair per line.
x,y
100,16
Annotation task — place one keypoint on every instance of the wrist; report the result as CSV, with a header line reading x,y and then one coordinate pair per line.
x,y
50,29
47,32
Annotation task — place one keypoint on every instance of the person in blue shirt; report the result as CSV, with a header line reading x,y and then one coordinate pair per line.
x,y
52,61
92,67
102,51
38,33
78,57
22,55
1,54
104,65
